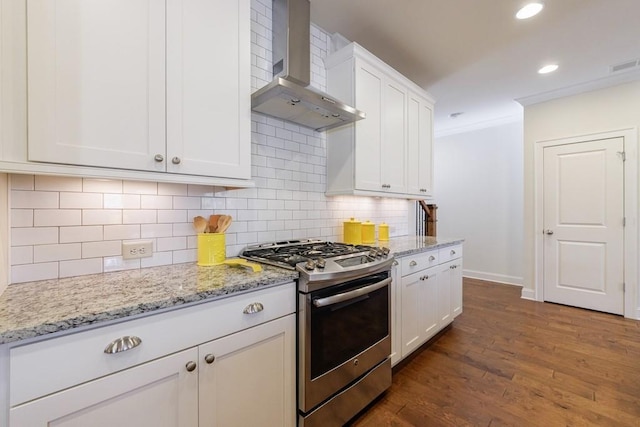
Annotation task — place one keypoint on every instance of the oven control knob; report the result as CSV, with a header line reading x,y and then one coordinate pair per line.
x,y
310,265
385,251
320,263
373,253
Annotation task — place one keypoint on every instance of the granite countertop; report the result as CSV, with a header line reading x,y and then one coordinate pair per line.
x,y
407,245
39,308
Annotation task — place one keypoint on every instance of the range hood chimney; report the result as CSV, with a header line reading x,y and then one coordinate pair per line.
x,y
289,96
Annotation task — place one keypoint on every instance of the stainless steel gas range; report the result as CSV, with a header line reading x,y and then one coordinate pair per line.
x,y
343,313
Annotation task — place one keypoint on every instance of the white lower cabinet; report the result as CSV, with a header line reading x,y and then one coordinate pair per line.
x,y
247,378
242,378
160,393
428,297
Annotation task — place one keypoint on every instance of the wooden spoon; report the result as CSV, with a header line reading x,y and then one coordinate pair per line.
x,y
223,223
200,224
213,223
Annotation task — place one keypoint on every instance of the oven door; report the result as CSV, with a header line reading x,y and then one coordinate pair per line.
x,y
344,333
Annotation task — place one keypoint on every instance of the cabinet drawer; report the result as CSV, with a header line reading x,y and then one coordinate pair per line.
x,y
79,357
419,261
449,253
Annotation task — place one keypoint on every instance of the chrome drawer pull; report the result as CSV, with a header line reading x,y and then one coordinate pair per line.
x,y
413,264
453,252
254,307
432,258
122,344
191,366
209,358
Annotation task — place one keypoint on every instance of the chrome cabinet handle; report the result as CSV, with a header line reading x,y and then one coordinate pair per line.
x,y
175,160
122,344
346,296
395,262
413,264
191,366
432,258
159,158
549,232
209,358
424,278
254,307
453,252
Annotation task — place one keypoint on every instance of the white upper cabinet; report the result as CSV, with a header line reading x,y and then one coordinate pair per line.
x,y
419,146
389,152
136,85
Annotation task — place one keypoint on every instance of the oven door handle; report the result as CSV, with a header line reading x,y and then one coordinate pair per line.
x,y
346,296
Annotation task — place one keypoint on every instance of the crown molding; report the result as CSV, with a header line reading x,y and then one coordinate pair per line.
x,y
485,124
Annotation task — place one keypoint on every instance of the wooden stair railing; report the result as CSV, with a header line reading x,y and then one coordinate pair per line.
x,y
426,215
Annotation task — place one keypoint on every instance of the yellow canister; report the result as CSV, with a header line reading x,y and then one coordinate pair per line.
x,y
368,233
352,232
383,232
211,249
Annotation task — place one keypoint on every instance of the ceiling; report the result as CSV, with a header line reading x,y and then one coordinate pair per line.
x,y
474,57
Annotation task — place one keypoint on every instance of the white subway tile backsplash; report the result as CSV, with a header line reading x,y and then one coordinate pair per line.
x,y
172,215
81,200
22,217
46,253
141,216
56,217
21,255
101,249
90,233
101,216
34,236
34,199
51,217
121,201
156,230
80,267
171,244
121,232
169,189
33,272
57,183
139,187
116,263
156,202
90,185
22,182
191,202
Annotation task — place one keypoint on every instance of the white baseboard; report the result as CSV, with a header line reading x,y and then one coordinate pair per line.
x,y
528,294
493,277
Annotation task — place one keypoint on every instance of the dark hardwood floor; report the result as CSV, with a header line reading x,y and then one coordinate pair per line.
x,y
509,361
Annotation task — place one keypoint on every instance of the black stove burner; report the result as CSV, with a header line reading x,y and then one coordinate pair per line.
x,y
295,253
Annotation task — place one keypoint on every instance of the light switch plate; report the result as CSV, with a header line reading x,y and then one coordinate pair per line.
x,y
139,249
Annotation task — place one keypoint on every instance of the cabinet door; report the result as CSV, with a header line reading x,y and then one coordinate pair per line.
x,y
208,88
96,82
444,294
419,146
369,83
419,308
396,313
251,380
161,393
392,148
456,287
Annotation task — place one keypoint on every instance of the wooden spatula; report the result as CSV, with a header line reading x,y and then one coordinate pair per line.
x,y
213,223
223,223
200,224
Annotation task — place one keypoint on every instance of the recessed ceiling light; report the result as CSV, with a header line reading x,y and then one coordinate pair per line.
x,y
548,69
529,10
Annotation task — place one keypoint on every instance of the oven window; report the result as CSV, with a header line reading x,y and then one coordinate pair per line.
x,y
343,330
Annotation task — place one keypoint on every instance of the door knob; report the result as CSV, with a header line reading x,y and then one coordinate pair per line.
x,y
549,232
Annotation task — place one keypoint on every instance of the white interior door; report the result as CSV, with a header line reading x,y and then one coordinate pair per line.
x,y
584,224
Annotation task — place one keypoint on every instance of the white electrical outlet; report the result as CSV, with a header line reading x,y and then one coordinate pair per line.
x,y
140,249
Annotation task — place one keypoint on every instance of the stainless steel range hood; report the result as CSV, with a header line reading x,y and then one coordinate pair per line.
x,y
289,96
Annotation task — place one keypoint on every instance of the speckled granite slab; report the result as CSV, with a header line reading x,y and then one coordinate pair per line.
x,y
406,245
38,308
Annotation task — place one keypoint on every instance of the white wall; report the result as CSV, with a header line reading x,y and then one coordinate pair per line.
x,y
478,184
72,226
604,110
4,233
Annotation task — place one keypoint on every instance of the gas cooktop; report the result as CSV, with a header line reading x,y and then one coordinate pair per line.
x,y
319,261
